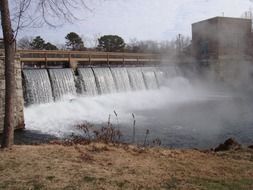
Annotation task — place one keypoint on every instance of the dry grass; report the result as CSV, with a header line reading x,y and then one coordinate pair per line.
x,y
100,166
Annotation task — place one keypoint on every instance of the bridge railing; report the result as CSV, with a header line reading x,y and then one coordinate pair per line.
x,y
29,56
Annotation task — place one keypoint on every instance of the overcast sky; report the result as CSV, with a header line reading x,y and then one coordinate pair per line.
x,y
142,19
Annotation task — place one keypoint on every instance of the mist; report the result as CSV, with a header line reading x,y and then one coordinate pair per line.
x,y
185,112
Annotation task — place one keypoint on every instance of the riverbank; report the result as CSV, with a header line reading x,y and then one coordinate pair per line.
x,y
102,166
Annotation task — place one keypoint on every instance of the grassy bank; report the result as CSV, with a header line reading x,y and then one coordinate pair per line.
x,y
100,166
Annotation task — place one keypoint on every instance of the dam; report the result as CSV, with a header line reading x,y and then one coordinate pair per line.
x,y
49,76
55,96
46,85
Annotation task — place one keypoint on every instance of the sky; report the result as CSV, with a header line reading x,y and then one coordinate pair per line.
x,y
141,19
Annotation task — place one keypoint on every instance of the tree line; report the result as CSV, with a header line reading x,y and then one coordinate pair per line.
x,y
109,43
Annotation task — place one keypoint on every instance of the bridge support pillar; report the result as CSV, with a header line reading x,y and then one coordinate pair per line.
x,y
73,64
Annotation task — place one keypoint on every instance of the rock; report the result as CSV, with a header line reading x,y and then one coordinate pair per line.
x,y
229,144
251,146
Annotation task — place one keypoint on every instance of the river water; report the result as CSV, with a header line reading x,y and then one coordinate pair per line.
x,y
182,115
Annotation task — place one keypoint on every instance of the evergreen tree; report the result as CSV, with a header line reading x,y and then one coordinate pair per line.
x,y
49,46
38,43
111,43
74,41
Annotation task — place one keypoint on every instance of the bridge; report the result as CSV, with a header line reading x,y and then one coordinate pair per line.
x,y
47,58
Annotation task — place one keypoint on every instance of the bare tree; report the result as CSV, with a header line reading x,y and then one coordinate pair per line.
x,y
50,12
147,46
25,43
95,39
181,43
248,15
175,46
91,41
9,47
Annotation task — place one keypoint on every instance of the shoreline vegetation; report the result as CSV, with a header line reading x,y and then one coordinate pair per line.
x,y
82,164
98,159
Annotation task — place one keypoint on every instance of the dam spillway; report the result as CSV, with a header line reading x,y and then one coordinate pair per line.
x,y
37,86
121,79
43,77
105,82
87,82
47,85
62,82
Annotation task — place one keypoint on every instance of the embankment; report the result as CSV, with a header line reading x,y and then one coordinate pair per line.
x,y
100,166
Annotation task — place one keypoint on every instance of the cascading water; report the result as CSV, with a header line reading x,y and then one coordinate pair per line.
x,y
105,82
87,82
160,77
178,114
136,78
42,88
170,71
164,73
164,111
121,78
150,77
37,86
62,81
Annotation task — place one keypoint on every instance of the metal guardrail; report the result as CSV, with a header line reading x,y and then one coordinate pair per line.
x,y
31,56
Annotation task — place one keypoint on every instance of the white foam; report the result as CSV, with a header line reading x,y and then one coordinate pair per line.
x,y
58,118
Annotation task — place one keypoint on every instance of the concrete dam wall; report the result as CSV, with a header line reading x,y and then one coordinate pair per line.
x,y
19,115
48,84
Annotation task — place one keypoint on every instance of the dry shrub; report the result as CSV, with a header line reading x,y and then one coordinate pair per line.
x,y
108,134
105,134
95,148
157,142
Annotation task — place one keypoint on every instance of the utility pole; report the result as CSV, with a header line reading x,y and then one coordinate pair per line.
x,y
179,44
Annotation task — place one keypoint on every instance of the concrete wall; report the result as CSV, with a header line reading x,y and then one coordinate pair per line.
x,y
205,40
19,114
221,36
235,71
234,35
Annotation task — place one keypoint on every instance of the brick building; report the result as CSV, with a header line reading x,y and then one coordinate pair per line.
x,y
220,37
225,46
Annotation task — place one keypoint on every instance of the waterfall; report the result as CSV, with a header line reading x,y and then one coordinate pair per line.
x,y
62,81
160,76
42,86
164,73
105,82
170,71
37,86
150,77
136,78
121,79
87,82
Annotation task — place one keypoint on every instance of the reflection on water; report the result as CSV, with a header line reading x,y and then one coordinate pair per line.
x,y
198,124
31,137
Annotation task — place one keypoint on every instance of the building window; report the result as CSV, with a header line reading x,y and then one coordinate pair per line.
x,y
204,50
